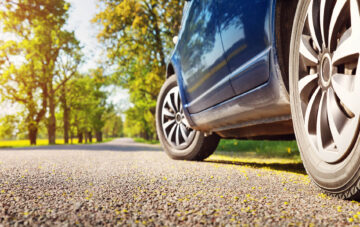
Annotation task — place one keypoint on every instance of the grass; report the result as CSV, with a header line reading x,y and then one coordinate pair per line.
x,y
251,151
257,151
39,142
141,140
264,148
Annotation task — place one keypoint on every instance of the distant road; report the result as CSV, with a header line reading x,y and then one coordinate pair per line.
x,y
126,183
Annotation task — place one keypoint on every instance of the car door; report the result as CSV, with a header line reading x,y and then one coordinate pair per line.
x,y
244,27
203,66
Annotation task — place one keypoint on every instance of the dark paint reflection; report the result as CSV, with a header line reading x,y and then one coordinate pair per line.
x,y
244,29
208,54
201,51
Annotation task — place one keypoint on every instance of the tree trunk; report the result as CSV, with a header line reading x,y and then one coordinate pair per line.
x,y
90,137
71,136
99,137
147,135
32,134
66,114
80,137
52,118
86,137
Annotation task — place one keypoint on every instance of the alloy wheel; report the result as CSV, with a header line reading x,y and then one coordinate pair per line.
x,y
175,126
329,79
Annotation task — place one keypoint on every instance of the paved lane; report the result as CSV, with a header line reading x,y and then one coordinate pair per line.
x,y
122,182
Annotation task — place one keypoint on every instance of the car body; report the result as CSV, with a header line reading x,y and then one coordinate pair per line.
x,y
268,69
234,86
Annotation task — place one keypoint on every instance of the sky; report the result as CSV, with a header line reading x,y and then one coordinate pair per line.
x,y
80,15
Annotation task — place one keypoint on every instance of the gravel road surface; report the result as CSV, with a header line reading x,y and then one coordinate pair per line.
x,y
124,183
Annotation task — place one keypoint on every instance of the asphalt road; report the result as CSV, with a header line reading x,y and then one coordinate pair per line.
x,y
124,183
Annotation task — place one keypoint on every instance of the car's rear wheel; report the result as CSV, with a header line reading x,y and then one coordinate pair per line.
x,y
325,92
176,136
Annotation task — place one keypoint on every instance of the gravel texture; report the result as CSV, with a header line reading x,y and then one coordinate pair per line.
x,y
124,183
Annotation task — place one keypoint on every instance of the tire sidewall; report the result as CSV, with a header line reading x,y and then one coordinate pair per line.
x,y
192,150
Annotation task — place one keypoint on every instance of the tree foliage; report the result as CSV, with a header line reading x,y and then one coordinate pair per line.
x,y
8,125
114,126
138,36
28,59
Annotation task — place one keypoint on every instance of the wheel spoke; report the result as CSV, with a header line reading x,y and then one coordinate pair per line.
x,y
307,51
176,99
310,108
312,26
355,18
171,105
346,81
331,110
346,50
177,136
334,18
184,132
320,123
171,132
357,79
181,108
166,112
347,98
306,80
167,124
325,11
322,15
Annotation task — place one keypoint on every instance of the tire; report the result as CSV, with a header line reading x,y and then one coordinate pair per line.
x,y
324,107
170,117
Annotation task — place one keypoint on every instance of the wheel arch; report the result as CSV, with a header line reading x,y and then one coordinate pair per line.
x,y
170,70
284,18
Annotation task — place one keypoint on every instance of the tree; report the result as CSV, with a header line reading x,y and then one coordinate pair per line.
x,y
136,123
138,36
66,66
86,100
27,61
114,126
66,69
22,84
100,108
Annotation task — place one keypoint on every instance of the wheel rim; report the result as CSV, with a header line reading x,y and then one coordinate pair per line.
x,y
329,82
175,126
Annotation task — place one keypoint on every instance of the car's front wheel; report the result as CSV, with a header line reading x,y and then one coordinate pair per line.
x,y
325,92
177,138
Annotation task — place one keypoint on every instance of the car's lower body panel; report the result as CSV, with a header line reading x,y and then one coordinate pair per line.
x,y
263,104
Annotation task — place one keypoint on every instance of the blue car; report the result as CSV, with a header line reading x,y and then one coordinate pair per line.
x,y
268,69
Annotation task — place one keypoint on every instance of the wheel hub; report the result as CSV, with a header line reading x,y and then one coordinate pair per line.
x,y
178,118
325,70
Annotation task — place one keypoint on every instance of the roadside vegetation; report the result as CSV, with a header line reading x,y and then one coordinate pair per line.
x,y
42,142
256,151
142,140
40,73
251,151
40,69
263,148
